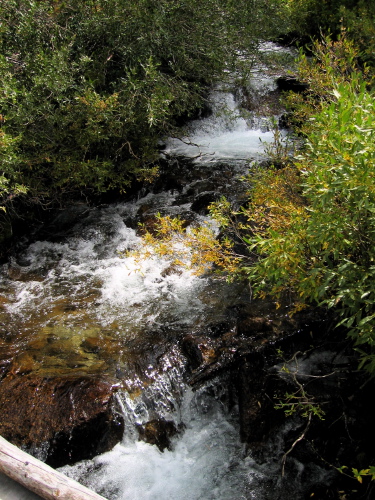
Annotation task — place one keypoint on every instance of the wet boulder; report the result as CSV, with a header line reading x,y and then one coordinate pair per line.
x,y
158,432
200,350
60,419
251,325
256,390
203,200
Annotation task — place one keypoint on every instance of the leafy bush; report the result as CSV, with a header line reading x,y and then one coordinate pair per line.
x,y
334,62
89,88
310,18
322,249
309,226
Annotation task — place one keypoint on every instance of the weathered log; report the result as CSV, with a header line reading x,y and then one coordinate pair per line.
x,y
39,477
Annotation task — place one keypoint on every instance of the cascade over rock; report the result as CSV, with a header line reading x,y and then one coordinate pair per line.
x,y
66,418
167,370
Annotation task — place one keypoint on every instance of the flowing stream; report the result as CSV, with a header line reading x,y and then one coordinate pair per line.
x,y
67,291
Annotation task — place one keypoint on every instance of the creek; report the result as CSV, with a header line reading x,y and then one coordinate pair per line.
x,y
73,302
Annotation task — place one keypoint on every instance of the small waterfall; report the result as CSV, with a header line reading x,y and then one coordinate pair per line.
x,y
226,135
205,458
77,287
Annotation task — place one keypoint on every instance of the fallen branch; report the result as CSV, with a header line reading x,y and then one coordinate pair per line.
x,y
39,477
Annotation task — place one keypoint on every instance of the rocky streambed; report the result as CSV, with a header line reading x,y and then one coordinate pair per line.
x,y
144,381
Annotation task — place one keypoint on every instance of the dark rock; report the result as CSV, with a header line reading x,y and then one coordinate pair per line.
x,y
263,104
171,269
71,419
19,273
291,83
222,328
253,325
203,200
255,397
158,432
329,374
321,492
198,349
61,222
167,183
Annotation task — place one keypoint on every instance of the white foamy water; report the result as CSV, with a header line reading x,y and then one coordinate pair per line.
x,y
84,282
205,460
223,136
231,133
92,263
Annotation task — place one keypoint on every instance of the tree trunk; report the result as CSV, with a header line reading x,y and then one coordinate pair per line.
x,y
39,477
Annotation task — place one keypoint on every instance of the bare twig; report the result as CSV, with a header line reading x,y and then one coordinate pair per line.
x,y
302,436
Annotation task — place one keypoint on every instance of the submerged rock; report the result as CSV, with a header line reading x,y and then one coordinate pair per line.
x,y
65,419
203,200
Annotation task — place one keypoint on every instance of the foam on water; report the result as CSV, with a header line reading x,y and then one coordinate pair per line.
x,y
94,262
88,275
225,135
205,462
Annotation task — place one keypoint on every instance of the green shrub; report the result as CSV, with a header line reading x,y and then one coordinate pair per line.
x,y
89,88
327,253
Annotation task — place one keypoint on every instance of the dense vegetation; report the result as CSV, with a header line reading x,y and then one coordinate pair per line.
x,y
309,225
316,234
311,222
89,88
